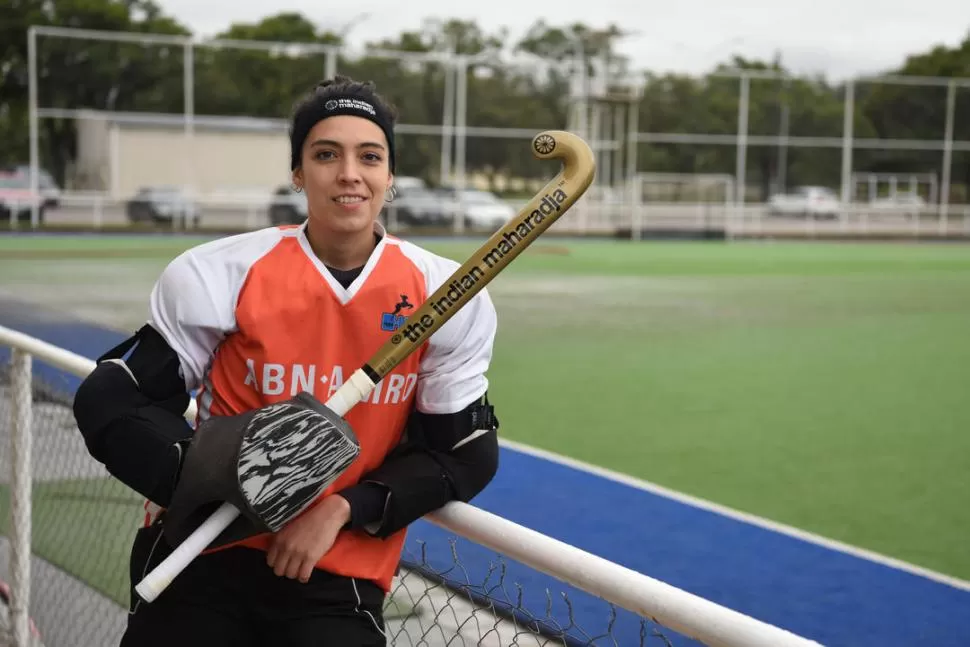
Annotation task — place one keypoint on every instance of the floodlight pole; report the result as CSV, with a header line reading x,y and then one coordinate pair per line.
x,y
189,105
947,154
848,123
450,71
741,158
461,134
34,135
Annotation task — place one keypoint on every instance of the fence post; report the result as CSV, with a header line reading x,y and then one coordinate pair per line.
x,y
98,211
20,496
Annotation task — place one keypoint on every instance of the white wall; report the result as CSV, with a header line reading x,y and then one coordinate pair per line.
x,y
212,161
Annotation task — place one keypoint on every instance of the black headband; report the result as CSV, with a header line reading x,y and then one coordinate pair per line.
x,y
338,105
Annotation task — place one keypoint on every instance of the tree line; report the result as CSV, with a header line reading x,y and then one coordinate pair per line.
x,y
74,73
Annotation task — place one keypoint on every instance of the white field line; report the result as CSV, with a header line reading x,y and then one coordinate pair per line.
x,y
737,515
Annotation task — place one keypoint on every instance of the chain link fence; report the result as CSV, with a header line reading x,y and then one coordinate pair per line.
x,y
449,590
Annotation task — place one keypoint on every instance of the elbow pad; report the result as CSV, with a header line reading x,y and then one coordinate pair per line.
x,y
140,439
446,458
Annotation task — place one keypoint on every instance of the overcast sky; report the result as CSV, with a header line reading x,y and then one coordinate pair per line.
x,y
687,35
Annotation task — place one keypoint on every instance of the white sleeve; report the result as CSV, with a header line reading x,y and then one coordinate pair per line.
x,y
193,303
452,371
191,315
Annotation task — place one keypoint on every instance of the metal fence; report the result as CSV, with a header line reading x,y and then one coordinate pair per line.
x,y
468,577
758,138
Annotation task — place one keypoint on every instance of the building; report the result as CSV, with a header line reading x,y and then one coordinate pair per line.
x,y
118,153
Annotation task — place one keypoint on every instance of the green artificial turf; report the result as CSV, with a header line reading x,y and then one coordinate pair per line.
x,y
819,385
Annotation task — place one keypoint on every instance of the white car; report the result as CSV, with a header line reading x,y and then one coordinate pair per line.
x,y
46,184
287,207
163,204
806,202
17,201
481,209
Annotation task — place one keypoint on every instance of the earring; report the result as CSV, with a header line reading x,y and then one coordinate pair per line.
x,y
297,188
390,194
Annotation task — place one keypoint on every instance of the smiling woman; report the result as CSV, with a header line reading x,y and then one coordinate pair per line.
x,y
342,144
251,321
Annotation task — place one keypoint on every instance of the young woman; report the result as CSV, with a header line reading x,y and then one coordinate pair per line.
x,y
253,319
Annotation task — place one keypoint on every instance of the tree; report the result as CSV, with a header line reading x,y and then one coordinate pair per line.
x,y
417,88
74,74
530,88
558,43
261,81
522,84
778,105
904,112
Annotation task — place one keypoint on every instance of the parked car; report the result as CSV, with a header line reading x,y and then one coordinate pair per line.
x,y
162,205
46,184
404,182
416,206
480,209
806,202
287,207
413,205
16,198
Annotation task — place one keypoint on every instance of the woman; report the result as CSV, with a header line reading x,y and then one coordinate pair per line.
x,y
254,319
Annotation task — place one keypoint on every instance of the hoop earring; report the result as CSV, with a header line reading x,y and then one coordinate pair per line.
x,y
390,194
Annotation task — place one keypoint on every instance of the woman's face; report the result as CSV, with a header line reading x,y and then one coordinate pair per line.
x,y
345,173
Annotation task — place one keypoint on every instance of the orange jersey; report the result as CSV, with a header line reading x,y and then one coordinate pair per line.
x,y
256,318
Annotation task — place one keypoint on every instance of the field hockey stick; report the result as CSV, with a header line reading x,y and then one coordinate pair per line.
x,y
555,198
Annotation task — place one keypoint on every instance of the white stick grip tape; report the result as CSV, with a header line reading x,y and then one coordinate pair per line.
x,y
350,393
162,575
355,389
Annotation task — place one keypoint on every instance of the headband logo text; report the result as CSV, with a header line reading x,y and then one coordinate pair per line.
x,y
353,104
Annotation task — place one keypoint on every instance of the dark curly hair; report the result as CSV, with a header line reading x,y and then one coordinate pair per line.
x,y
340,95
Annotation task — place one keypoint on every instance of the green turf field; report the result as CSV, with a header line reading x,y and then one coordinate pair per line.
x,y
85,526
820,385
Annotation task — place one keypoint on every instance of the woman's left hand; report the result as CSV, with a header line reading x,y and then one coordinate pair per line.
x,y
298,547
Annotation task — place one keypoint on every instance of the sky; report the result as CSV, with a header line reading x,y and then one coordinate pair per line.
x,y
836,38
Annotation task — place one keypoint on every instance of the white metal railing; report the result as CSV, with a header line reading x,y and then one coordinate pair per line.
x,y
20,495
670,607
225,211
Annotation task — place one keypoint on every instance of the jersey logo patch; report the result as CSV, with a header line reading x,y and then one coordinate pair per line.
x,y
391,321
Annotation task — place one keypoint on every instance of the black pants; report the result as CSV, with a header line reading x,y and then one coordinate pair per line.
x,y
232,598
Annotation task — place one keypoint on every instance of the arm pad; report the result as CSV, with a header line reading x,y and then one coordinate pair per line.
x,y
445,458
140,438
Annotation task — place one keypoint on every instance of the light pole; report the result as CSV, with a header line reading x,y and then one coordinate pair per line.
x,y
353,22
343,31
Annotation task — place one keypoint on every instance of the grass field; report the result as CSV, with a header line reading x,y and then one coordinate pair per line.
x,y
76,525
818,385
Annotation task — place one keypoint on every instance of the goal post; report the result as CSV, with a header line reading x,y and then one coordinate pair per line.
x,y
870,186
693,200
